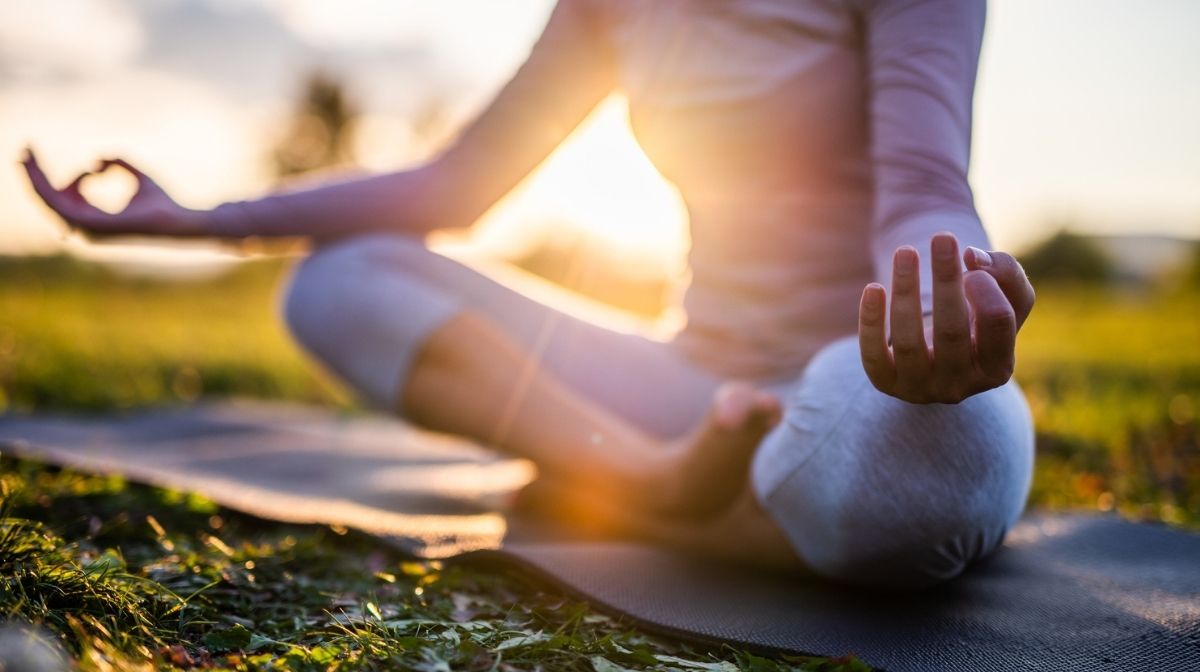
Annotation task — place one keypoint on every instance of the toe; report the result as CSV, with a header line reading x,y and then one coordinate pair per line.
x,y
769,408
733,405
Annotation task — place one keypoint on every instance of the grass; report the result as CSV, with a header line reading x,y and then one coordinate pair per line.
x,y
123,575
76,337
1113,380
129,576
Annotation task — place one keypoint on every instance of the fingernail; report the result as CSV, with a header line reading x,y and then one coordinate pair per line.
x,y
943,247
906,260
874,295
980,257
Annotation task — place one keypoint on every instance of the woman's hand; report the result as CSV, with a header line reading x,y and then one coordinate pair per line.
x,y
975,320
150,212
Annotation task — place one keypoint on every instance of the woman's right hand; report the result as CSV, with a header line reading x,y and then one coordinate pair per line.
x,y
150,212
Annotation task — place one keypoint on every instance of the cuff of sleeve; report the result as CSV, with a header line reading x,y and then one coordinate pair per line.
x,y
917,231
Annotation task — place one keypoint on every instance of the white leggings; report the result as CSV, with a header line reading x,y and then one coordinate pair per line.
x,y
867,488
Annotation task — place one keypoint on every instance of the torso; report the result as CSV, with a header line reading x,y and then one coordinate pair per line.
x,y
756,110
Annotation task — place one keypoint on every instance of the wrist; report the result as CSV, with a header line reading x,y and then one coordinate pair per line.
x,y
224,221
193,223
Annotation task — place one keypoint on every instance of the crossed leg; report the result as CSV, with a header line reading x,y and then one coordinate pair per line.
x,y
618,417
856,485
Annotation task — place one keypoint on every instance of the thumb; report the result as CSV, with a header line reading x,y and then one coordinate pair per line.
x,y
1008,274
105,164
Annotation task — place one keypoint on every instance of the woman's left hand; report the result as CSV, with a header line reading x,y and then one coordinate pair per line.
x,y
973,328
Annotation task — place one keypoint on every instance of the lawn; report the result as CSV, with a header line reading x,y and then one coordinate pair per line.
x,y
125,575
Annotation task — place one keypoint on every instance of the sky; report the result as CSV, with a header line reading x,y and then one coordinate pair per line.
x,y
1085,110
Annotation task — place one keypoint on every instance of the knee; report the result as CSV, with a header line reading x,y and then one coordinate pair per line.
x,y
893,494
312,291
938,488
324,289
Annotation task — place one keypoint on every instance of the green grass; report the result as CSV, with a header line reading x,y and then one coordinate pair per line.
x,y
128,575
74,336
1114,384
125,575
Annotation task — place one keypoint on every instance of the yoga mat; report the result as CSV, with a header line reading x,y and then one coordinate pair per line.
x,y
1066,592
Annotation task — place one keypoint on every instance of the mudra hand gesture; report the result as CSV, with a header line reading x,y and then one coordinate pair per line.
x,y
150,211
973,329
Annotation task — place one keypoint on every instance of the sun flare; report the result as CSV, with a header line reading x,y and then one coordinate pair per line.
x,y
599,184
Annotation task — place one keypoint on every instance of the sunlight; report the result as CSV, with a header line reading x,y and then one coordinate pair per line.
x,y
600,184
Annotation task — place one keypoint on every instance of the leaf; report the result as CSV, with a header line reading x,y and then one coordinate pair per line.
x,y
109,561
602,664
524,640
229,639
451,635
716,666
432,662
257,642
324,653
373,610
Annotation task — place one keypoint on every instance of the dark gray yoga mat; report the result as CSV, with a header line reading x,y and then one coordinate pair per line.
x,y
1072,592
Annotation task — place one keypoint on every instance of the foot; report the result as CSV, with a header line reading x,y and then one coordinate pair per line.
x,y
701,474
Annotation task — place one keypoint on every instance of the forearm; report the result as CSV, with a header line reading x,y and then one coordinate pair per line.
x,y
922,59
408,201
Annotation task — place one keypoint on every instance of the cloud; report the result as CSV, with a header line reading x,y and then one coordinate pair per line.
x,y
66,38
248,52
200,147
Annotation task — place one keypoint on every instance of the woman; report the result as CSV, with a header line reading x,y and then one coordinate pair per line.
x,y
820,147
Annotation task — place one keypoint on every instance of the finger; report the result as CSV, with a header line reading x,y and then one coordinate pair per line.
x,y
121,163
995,326
1009,275
73,187
68,203
41,184
872,338
909,350
951,323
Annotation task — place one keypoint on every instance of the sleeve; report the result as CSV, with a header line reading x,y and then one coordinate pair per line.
x,y
568,72
922,57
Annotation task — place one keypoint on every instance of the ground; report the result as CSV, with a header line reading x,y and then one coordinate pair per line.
x,y
122,575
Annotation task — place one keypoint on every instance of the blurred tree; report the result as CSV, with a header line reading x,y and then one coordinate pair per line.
x,y
1068,257
321,134
1193,269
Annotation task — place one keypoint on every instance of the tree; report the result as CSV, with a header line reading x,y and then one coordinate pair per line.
x,y
1192,274
321,134
1068,257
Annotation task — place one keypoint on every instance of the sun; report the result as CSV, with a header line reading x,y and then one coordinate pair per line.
x,y
599,183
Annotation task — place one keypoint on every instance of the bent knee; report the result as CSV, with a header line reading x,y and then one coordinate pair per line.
x,y
360,309
893,494
309,298
905,537
324,294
